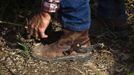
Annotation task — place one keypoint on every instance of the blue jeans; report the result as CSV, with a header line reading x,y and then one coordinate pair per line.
x,y
75,14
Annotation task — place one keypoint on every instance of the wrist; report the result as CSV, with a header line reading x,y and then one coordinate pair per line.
x,y
50,6
46,15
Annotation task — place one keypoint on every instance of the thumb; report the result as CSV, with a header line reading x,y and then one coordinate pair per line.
x,y
42,32
43,35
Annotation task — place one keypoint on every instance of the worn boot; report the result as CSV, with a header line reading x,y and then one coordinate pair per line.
x,y
58,48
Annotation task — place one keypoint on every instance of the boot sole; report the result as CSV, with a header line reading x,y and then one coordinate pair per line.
x,y
77,57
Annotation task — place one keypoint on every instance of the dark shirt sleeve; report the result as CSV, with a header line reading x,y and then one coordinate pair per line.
x,y
50,6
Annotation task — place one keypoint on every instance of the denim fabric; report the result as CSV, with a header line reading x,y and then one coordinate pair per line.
x,y
111,9
75,14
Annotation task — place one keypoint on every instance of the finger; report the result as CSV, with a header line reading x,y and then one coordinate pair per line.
x,y
42,29
32,28
28,29
43,35
30,25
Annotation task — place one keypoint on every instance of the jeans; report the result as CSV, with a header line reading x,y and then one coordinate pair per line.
x,y
75,14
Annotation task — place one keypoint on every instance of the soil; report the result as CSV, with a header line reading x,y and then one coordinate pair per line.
x,y
117,58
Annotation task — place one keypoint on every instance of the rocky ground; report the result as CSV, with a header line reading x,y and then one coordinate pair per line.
x,y
117,58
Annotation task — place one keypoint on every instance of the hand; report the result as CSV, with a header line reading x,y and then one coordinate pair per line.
x,y
38,25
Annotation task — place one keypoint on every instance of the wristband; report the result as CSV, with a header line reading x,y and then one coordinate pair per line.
x,y
50,6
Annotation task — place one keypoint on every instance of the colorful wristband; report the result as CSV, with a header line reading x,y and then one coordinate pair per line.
x,y
51,6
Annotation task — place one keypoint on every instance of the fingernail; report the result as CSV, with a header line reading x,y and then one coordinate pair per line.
x,y
44,36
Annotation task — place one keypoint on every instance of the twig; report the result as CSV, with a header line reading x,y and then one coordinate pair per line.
x,y
10,23
79,70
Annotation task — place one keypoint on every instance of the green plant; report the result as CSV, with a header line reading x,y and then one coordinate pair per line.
x,y
132,73
25,48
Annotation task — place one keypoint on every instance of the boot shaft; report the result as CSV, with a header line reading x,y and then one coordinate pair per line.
x,y
70,38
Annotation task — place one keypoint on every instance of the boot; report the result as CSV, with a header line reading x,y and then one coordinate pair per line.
x,y
58,48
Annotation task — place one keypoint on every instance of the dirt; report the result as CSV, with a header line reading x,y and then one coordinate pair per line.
x,y
116,58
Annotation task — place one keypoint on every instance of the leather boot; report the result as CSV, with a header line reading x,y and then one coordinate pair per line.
x,y
57,49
